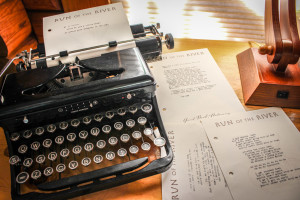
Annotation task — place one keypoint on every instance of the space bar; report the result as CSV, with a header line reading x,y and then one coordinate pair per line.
x,y
89,176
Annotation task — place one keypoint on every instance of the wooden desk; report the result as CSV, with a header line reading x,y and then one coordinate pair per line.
x,y
224,52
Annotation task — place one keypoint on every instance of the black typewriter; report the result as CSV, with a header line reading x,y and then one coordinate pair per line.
x,y
86,126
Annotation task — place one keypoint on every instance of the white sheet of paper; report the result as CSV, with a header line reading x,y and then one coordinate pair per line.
x,y
259,154
191,87
86,28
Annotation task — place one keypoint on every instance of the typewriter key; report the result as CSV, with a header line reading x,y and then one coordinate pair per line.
x,y
59,139
148,131
35,146
77,149
39,131
146,146
51,128
87,120
110,155
71,137
113,141
118,126
22,149
106,129
22,177
133,149
109,114
14,136
137,135
83,134
98,117
121,111
47,143
98,159
40,159
160,142
122,152
63,125
60,168
146,108
89,147
27,162
27,134
125,138
73,164
14,160
101,144
52,156
75,123
64,153
130,123
132,109
142,120
95,131
36,174
86,161
48,171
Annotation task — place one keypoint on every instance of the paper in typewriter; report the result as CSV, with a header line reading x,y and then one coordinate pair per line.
x,y
259,154
190,88
87,28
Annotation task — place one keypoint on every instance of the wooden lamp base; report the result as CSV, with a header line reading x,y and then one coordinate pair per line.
x,y
263,86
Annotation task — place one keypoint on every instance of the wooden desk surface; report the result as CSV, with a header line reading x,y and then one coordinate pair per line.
x,y
224,52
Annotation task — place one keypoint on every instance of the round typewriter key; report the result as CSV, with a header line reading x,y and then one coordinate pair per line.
x,y
146,108
137,135
35,146
98,117
130,123
83,134
27,162
160,142
39,131
146,146
110,155
125,138
121,111
98,159
106,129
89,147
87,120
22,149
95,131
122,152
40,159
75,123
48,171
52,156
22,177
148,131
86,161
27,134
51,128
142,120
113,141
47,143
60,168
14,136
133,149
118,126
59,139
73,164
109,114
77,149
71,137
36,174
64,153
132,109
63,125
14,160
101,144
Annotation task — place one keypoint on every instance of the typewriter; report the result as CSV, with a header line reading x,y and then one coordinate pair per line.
x,y
81,127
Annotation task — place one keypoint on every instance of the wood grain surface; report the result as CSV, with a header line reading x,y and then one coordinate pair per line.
x,y
224,52
42,5
72,5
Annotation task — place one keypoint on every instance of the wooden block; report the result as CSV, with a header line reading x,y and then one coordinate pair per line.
x,y
263,86
14,23
72,5
43,5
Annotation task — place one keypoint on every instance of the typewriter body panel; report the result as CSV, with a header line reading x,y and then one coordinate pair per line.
x,y
67,137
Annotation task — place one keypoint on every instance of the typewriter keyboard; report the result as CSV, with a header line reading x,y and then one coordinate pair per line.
x,y
66,153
